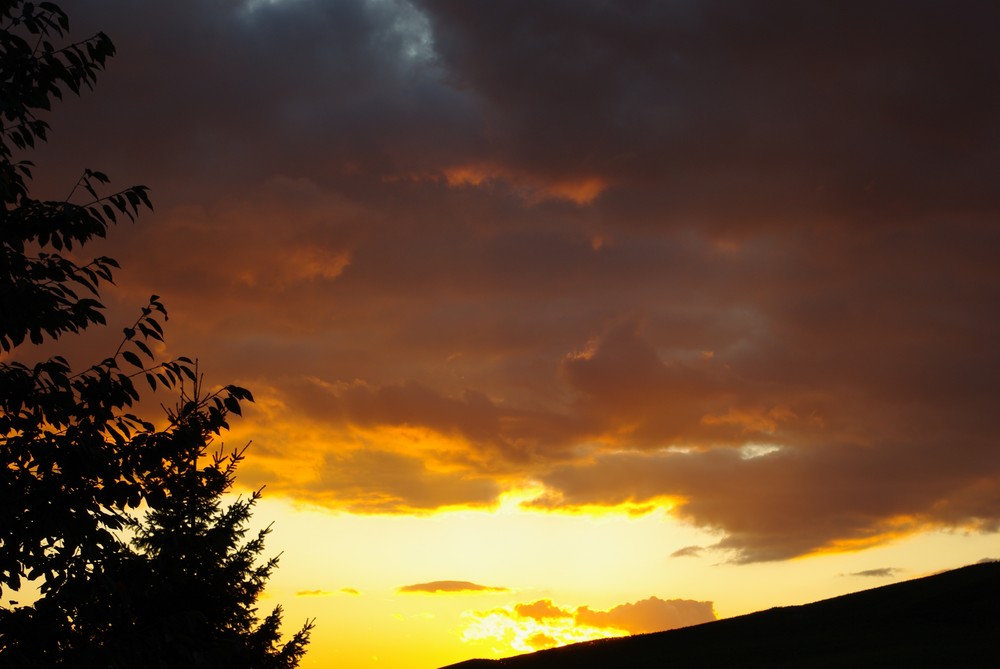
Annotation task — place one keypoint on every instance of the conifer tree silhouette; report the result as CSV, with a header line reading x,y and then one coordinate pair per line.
x,y
198,575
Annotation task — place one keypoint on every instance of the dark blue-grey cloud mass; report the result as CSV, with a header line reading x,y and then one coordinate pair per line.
x,y
630,251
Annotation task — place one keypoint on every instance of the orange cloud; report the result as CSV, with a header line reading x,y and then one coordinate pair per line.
x,y
541,640
579,191
469,175
541,610
313,593
649,615
535,188
542,624
449,587
373,481
752,419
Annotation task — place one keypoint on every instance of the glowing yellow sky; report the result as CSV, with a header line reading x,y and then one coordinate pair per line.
x,y
599,561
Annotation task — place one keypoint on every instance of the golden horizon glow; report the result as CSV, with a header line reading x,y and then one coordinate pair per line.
x,y
346,570
509,632
889,531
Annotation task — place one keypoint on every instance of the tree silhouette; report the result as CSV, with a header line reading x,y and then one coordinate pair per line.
x,y
75,462
186,596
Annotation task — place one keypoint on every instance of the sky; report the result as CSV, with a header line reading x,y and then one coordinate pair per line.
x,y
568,318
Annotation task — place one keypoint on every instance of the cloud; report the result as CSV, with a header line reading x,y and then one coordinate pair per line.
x,y
540,640
449,586
882,572
651,95
649,615
540,610
313,593
688,551
489,427
350,591
614,249
371,481
794,518
542,624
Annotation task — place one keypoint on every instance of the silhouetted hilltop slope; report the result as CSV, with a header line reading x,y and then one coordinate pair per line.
x,y
946,620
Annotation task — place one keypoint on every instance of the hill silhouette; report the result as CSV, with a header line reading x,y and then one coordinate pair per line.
x,y
946,620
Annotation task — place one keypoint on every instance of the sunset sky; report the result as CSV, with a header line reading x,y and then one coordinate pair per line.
x,y
568,318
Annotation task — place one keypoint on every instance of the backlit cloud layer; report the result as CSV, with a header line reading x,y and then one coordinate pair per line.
x,y
735,261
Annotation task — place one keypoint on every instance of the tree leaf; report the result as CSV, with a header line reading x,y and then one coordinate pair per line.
x,y
133,359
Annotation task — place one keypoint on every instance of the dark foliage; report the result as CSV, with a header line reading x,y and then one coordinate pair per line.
x,y
75,462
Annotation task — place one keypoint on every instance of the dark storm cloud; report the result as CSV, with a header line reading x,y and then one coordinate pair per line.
x,y
811,497
222,92
740,111
737,256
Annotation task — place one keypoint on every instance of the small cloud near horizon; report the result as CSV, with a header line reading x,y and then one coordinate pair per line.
x,y
542,609
649,615
541,641
434,587
350,591
313,593
688,551
882,572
